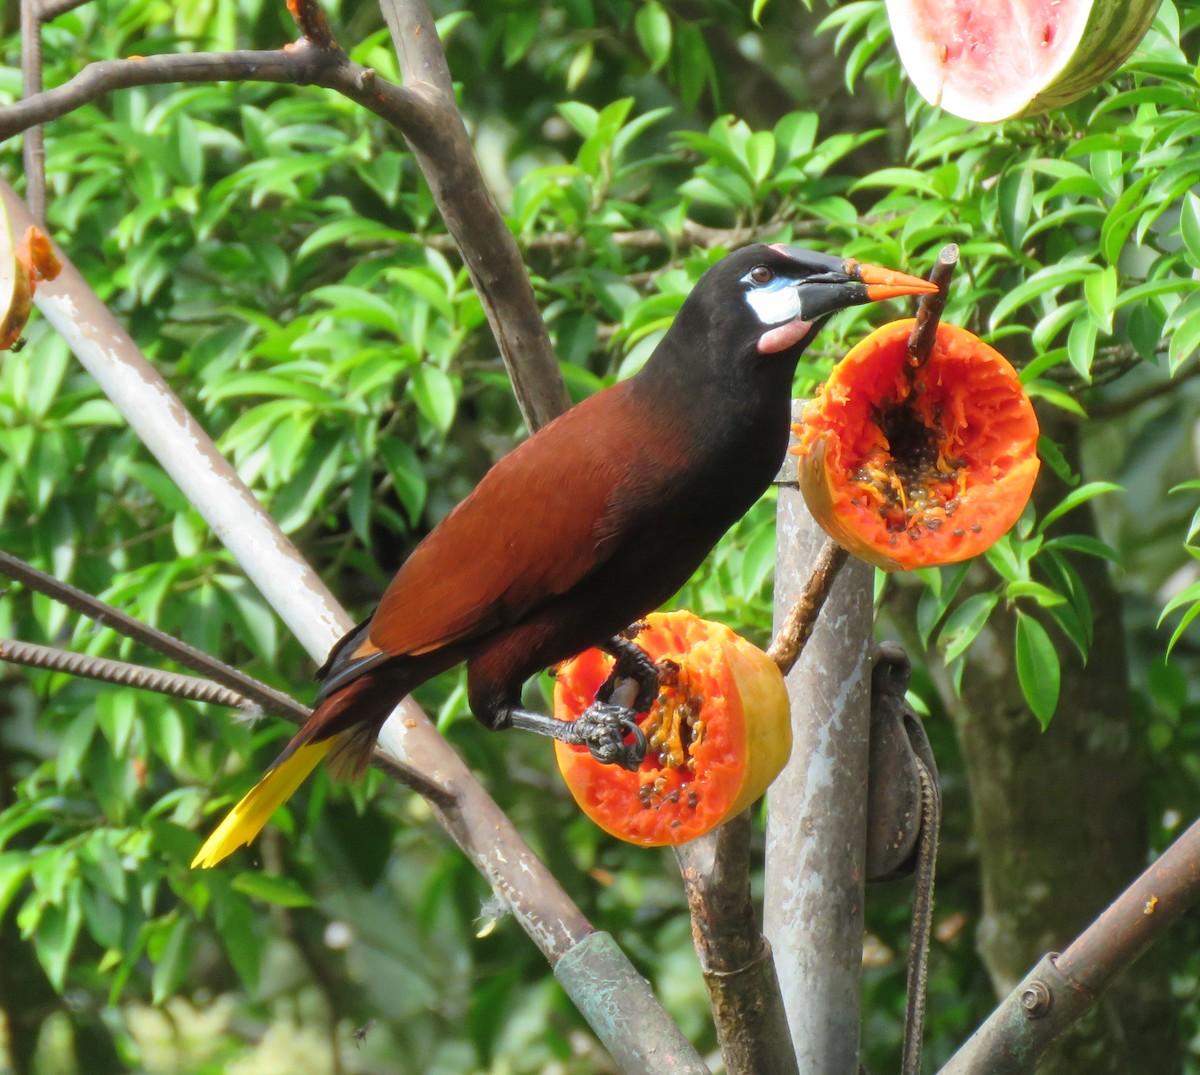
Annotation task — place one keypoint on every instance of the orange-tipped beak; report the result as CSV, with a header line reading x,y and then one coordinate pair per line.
x,y
887,283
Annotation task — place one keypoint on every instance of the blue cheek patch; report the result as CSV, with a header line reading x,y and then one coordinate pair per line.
x,y
775,302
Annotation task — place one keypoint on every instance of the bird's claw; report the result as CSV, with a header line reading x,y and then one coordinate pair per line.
x,y
603,729
631,663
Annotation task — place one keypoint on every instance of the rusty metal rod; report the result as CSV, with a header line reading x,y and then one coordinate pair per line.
x,y
269,699
52,659
1062,987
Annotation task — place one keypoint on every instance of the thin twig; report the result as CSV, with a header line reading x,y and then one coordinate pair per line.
x,y
929,311
49,10
313,24
797,629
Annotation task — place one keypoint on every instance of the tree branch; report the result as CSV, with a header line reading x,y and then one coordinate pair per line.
x,y
34,149
489,251
301,64
735,957
423,110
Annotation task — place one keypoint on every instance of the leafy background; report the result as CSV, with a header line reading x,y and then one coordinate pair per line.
x,y
276,254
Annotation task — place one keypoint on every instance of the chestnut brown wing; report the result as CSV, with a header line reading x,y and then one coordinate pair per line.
x,y
543,518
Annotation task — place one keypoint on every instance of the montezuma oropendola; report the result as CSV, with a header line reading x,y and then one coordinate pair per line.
x,y
589,524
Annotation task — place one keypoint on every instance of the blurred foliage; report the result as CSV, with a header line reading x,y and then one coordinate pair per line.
x,y
277,255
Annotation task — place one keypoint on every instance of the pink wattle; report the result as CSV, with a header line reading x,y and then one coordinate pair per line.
x,y
783,337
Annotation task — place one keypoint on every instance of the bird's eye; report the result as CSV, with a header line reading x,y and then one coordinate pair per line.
x,y
760,274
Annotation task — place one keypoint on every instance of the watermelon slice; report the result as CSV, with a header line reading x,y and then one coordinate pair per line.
x,y
988,60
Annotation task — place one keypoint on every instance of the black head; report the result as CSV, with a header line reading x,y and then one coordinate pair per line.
x,y
764,300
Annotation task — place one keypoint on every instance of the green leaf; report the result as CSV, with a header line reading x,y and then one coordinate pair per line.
x,y
653,27
408,476
435,396
1037,668
760,155
1184,623
1081,346
1184,342
1074,498
1100,289
235,925
57,932
1043,595
965,623
73,745
14,868
1189,225
581,64
1042,284
272,888
1015,201
173,962
1089,546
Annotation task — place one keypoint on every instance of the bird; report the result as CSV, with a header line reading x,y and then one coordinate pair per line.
x,y
593,521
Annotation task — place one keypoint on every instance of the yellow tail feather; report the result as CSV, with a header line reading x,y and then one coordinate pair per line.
x,y
246,820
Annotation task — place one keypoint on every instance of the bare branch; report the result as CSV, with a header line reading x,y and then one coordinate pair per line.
x,y
310,17
735,957
929,310
797,629
34,149
418,48
489,251
49,10
299,64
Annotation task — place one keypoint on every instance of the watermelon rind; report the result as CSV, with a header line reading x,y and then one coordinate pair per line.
x,y
952,59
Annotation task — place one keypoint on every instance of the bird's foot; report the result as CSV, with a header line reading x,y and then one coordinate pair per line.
x,y
631,662
602,728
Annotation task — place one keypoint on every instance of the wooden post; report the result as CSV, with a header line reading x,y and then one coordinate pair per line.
x,y
816,826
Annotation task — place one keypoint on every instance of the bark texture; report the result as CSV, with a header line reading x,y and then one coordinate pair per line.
x,y
1060,818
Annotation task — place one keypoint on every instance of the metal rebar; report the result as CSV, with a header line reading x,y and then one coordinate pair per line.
x,y
267,698
53,659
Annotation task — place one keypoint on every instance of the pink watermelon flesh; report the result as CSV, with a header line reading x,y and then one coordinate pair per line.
x,y
987,60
